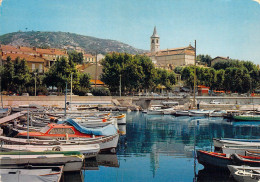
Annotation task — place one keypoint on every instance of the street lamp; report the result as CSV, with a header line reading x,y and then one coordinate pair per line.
x,y
35,83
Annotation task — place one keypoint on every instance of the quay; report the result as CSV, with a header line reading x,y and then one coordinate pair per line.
x,y
132,102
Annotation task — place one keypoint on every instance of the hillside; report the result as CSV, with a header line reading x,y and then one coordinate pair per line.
x,y
64,40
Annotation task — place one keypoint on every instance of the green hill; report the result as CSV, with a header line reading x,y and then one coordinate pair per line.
x,y
65,40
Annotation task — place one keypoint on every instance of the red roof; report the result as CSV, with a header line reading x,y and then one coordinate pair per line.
x,y
98,82
28,58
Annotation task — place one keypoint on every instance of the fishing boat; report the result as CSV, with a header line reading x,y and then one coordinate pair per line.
x,y
240,149
89,151
155,110
169,111
121,118
245,160
252,153
72,161
96,123
182,113
219,143
106,143
245,173
213,160
200,112
72,131
32,173
218,113
246,117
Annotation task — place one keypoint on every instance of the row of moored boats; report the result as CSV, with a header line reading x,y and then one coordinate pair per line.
x,y
241,157
43,145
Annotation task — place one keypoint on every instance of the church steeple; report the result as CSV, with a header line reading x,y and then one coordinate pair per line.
x,y
155,41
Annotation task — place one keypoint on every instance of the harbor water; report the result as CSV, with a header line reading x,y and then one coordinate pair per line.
x,y
161,148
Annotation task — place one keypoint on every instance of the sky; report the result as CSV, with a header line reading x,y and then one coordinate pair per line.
x,y
220,27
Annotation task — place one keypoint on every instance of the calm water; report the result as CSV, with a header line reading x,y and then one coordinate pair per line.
x,y
160,148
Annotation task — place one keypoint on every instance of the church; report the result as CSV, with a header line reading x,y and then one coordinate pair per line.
x,y
170,58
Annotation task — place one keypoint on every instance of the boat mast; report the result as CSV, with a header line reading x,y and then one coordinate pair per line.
x,y
194,89
65,100
1,63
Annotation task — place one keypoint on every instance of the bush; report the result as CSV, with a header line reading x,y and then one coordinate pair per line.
x,y
81,92
100,91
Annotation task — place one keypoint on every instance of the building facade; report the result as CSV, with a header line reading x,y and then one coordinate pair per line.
x,y
170,58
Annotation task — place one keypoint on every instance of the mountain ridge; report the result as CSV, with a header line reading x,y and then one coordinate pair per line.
x,y
67,40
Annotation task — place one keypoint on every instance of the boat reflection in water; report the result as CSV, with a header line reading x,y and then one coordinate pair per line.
x,y
161,148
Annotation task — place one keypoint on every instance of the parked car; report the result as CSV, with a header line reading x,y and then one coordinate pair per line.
x,y
214,102
25,94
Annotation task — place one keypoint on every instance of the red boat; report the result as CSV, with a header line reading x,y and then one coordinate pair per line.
x,y
245,160
57,131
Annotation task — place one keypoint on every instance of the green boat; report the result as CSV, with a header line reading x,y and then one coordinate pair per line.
x,y
247,117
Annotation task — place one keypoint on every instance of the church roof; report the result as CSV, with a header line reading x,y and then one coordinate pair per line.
x,y
181,50
155,33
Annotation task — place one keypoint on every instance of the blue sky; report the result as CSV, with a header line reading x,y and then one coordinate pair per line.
x,y
221,27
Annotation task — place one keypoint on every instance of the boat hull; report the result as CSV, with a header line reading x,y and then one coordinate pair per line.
x,y
71,163
212,160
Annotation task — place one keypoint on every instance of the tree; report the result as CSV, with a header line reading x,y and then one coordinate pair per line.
x,y
8,74
76,57
60,74
22,76
84,80
204,59
136,72
219,79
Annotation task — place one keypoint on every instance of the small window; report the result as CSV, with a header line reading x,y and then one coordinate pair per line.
x,y
61,131
40,68
33,67
157,41
152,41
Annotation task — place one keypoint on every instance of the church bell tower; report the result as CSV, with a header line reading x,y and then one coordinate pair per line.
x,y
155,41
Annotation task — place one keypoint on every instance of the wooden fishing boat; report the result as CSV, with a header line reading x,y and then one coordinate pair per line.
x,y
239,149
213,160
121,118
63,131
155,110
32,173
71,162
89,151
200,112
245,173
218,113
253,153
245,160
106,143
182,113
219,143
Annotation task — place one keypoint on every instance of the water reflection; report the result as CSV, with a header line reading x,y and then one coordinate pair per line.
x,y
160,148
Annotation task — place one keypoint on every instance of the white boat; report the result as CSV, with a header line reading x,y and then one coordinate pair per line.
x,y
240,149
155,110
121,119
200,112
218,113
96,123
106,143
218,143
89,151
169,111
71,163
245,173
34,173
182,113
